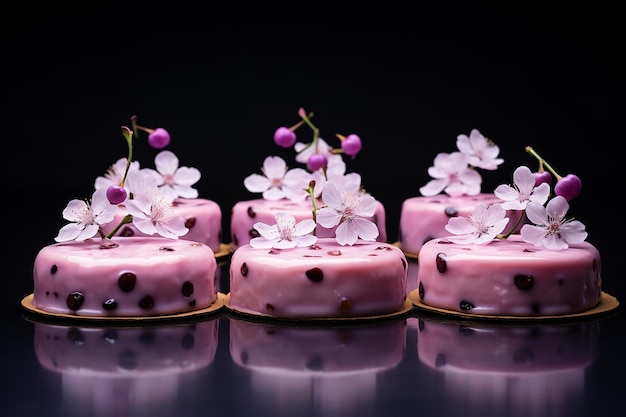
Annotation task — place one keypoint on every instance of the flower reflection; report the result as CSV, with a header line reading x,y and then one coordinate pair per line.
x,y
125,370
509,369
332,369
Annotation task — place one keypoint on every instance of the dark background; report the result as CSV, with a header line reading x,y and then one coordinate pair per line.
x,y
222,77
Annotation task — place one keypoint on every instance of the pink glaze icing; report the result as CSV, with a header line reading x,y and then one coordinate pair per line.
x,y
323,280
202,217
425,218
123,351
304,350
143,276
245,214
509,277
482,348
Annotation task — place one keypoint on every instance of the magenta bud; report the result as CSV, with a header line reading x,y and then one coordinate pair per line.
x,y
541,177
116,194
316,161
351,145
159,138
284,137
568,187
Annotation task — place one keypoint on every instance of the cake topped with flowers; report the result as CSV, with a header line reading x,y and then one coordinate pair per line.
x,y
538,266
454,190
122,253
325,262
286,190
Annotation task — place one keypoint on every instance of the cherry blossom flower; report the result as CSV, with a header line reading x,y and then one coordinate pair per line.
x,y
285,234
115,174
86,217
452,175
278,182
523,192
550,228
481,227
347,206
480,151
174,180
153,213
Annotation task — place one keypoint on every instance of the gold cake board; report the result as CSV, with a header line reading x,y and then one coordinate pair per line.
x,y
27,304
607,304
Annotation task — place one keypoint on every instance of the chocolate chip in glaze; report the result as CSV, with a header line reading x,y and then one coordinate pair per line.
x,y
466,305
54,269
187,289
420,290
345,306
109,305
253,233
127,281
251,212
75,300
315,274
146,302
127,232
440,260
524,282
190,222
244,269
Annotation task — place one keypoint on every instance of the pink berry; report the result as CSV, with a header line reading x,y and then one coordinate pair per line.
x,y
351,145
116,194
159,138
284,137
316,161
568,187
541,177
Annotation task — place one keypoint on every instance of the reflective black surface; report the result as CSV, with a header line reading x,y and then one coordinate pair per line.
x,y
408,80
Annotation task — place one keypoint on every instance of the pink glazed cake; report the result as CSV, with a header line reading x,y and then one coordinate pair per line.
x,y
202,217
424,218
142,276
245,214
508,277
324,280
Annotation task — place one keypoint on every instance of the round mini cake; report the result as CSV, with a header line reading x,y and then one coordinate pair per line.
x,y
324,280
508,277
138,277
202,217
245,214
424,218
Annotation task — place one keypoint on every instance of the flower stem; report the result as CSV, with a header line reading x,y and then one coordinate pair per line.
x,y
542,162
127,219
311,191
510,232
128,134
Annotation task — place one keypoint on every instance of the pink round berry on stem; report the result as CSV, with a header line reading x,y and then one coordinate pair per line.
x,y
568,187
285,137
159,138
316,161
116,194
351,145
541,177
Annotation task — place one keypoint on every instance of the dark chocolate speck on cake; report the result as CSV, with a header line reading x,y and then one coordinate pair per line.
x,y
127,281
315,274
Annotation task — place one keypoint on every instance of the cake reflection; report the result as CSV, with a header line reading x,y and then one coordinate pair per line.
x,y
125,370
514,370
330,369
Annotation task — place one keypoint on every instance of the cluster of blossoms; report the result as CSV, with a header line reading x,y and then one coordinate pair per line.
x,y
455,173
337,198
531,193
146,195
